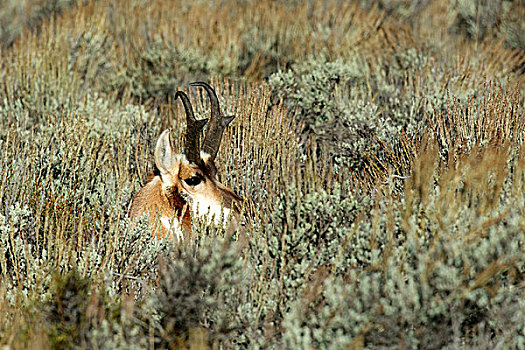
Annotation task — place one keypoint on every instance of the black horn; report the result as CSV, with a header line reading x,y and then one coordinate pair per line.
x,y
193,130
218,123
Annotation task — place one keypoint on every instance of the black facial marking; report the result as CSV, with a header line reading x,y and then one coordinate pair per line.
x,y
193,181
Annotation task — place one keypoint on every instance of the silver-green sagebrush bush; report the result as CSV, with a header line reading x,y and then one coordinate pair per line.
x,y
17,16
346,105
200,287
476,20
308,232
162,68
445,277
384,179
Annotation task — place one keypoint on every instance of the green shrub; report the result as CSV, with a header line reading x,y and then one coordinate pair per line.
x,y
308,231
394,218
332,100
477,19
198,289
160,68
444,276
18,16
66,311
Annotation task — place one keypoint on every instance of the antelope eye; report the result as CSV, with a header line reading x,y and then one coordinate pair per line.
x,y
193,181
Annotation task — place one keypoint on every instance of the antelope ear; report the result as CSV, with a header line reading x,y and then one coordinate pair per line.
x,y
165,157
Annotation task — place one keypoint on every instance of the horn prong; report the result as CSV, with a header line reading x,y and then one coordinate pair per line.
x,y
212,140
193,130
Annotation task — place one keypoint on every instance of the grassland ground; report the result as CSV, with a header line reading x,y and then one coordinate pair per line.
x,y
379,146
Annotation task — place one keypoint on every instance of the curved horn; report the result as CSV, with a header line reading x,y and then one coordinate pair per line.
x,y
212,141
193,130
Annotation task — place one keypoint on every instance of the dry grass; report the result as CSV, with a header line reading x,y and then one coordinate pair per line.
x,y
423,246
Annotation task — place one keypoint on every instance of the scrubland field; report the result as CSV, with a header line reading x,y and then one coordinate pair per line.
x,y
379,145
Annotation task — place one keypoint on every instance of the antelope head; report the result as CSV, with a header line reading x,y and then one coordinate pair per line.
x,y
189,179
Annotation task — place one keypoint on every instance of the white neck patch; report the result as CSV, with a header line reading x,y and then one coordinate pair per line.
x,y
173,227
210,209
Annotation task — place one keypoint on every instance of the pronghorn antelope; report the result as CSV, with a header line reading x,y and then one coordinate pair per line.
x,y
185,184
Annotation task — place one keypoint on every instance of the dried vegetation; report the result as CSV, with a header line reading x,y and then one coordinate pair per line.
x,y
380,145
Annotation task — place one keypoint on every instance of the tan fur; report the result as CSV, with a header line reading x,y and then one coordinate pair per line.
x,y
167,202
188,180
158,202
209,192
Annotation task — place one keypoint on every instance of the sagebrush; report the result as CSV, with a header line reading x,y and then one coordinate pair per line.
x,y
379,146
